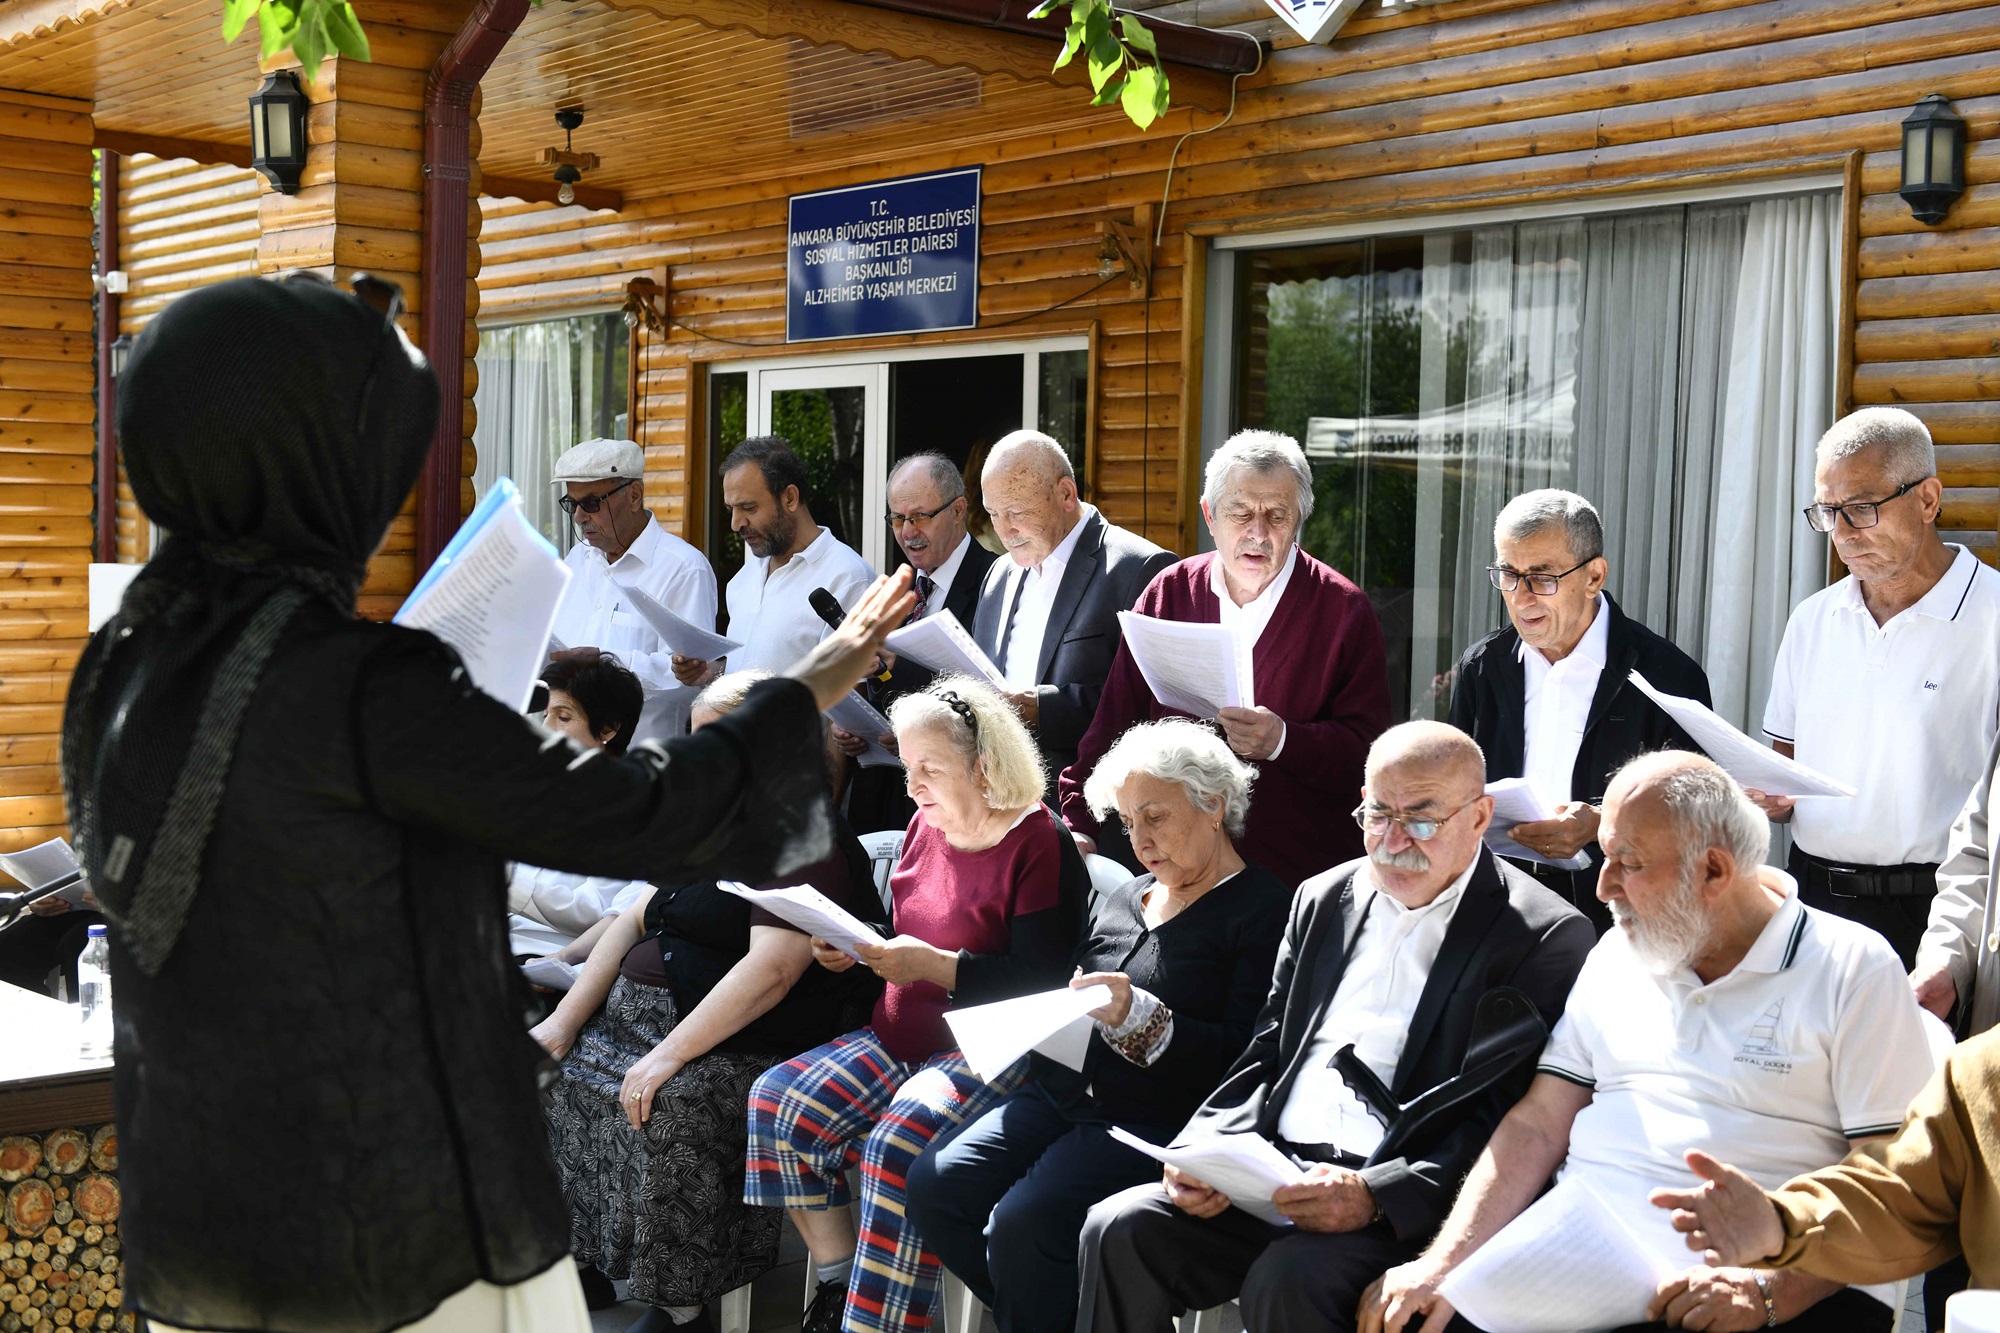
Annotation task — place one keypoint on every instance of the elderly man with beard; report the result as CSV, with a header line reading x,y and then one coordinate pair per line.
x,y
1720,1013
1391,954
1304,635
786,556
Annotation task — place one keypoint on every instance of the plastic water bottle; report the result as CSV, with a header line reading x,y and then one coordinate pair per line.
x,y
93,988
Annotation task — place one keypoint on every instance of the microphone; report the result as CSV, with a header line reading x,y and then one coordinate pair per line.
x,y
827,607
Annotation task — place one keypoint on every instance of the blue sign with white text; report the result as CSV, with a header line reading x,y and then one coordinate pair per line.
x,y
898,256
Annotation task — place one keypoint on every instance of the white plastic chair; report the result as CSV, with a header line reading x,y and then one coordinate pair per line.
x,y
735,1309
1105,875
884,850
1202,1321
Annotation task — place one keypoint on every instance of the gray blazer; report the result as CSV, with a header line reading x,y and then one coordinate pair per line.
x,y
1964,911
1105,575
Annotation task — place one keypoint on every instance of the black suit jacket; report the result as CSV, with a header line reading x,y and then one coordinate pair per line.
x,y
963,603
1507,931
1108,570
1489,703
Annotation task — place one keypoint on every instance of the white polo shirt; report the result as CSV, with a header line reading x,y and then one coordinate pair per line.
x,y
1905,713
769,613
1557,706
1814,1039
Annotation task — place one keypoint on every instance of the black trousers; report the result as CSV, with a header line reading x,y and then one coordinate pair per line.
x,y
1900,920
1001,1198
1146,1262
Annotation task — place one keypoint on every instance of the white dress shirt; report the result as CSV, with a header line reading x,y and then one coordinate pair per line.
x,y
947,574
1248,622
1031,596
1377,997
1905,713
769,613
595,614
550,908
1558,706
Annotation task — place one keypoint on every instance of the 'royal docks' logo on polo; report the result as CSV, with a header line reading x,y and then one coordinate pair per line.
x,y
1763,1049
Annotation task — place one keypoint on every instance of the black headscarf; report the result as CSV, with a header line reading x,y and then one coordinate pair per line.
x,y
273,429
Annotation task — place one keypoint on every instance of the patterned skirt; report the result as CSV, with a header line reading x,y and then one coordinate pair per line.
x,y
663,1206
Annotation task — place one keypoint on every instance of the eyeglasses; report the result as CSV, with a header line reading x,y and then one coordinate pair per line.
x,y
1860,514
897,520
590,504
963,710
1542,585
1375,821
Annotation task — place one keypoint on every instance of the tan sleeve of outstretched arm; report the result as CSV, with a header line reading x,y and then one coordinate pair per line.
x,y
1890,1209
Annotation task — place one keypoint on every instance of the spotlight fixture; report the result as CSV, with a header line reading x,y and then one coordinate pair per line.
x,y
643,301
568,163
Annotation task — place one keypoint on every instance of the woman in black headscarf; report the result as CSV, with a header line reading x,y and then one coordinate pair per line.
x,y
298,822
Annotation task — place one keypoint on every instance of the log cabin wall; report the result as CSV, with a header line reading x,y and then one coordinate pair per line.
x,y
1465,105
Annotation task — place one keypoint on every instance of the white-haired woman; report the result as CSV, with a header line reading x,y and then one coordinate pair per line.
x,y
988,904
1187,951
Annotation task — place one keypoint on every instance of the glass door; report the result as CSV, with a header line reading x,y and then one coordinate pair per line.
x,y
836,419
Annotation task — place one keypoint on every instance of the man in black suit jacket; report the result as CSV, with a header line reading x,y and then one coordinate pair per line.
x,y
1549,695
1048,617
927,515
1392,954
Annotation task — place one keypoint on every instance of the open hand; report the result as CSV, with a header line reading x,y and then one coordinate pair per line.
x,y
1728,1218
642,1080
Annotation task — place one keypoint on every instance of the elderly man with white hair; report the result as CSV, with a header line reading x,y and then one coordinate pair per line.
x,y
1889,681
622,547
1549,694
1305,636
1048,615
1721,1014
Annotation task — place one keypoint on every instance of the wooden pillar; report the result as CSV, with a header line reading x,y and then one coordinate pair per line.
x,y
360,208
47,444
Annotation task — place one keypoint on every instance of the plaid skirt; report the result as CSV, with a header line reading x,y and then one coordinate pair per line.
x,y
665,1206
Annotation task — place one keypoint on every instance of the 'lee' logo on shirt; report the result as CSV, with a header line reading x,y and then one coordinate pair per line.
x,y
1762,1048
1930,684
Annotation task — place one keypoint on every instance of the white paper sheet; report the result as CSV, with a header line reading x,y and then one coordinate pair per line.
x,y
1189,666
680,636
550,972
939,642
1246,1167
856,716
1515,801
107,584
492,595
44,863
992,1037
811,911
1750,762
1577,1260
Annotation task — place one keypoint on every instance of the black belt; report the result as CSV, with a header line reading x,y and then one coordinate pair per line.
x,y
1918,879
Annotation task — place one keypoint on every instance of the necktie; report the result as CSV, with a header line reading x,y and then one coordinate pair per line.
x,y
926,585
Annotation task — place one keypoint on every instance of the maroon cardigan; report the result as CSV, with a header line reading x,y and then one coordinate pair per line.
x,y
1319,665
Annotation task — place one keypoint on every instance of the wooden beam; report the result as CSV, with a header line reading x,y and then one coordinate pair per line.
x,y
861,27
197,150
544,192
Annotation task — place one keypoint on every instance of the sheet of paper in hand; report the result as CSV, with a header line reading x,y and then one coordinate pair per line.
x,y
1578,1259
1751,762
679,635
1246,1167
552,973
939,642
1515,801
1191,667
811,911
1057,1023
492,594
45,863
857,717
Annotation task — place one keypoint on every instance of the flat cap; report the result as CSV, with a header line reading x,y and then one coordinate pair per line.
x,y
601,460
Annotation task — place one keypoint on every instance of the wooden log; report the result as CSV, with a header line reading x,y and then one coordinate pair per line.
x,y
1971,423
1927,381
1931,295
26,750
46,219
1927,339
19,373
46,409
1958,251
45,280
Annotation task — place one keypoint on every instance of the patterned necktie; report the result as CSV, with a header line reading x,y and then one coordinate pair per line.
x,y
926,585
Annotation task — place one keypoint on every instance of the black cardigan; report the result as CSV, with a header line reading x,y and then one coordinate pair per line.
x,y
1211,965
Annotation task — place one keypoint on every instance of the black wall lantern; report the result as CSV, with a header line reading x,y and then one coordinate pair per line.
x,y
278,130
1933,159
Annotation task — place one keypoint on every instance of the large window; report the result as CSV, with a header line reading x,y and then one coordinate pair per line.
x,y
1672,364
542,388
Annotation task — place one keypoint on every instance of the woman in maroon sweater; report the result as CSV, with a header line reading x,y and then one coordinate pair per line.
x,y
988,903
1321,682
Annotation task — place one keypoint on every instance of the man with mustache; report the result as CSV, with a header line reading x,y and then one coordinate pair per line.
x,y
1549,694
785,556
1048,615
1393,954
1720,1013
1305,637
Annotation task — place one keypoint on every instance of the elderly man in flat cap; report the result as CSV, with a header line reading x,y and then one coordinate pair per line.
x,y
624,547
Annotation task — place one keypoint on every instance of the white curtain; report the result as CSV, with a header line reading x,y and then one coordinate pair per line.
x,y
1778,403
527,415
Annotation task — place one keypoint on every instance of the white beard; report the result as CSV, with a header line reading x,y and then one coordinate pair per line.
x,y
1670,939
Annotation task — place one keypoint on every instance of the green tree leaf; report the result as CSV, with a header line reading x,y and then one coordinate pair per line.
x,y
1044,9
1072,43
1107,55
343,29
1138,36
309,42
236,13
1109,93
1143,95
